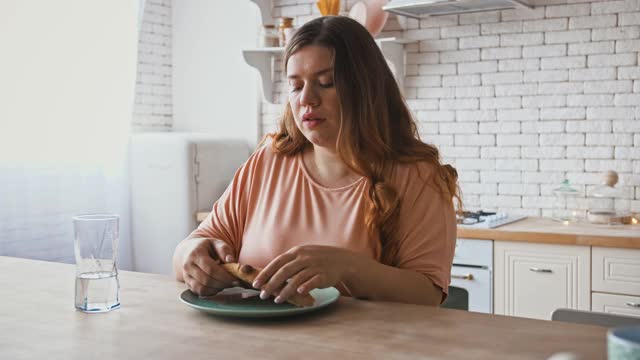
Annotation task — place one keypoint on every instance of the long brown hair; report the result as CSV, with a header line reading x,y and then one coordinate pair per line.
x,y
376,127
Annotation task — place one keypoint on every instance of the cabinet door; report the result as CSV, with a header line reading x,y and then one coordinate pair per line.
x,y
616,270
532,280
616,304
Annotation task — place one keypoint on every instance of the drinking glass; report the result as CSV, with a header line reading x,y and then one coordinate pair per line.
x,y
96,249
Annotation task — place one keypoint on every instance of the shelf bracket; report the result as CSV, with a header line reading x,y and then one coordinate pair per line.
x,y
265,10
393,51
263,61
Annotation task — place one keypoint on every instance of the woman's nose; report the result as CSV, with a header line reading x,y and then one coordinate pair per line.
x,y
309,96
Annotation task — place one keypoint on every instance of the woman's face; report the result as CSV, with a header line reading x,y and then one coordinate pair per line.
x,y
312,95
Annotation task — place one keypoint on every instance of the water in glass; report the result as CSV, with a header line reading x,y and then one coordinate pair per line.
x,y
97,291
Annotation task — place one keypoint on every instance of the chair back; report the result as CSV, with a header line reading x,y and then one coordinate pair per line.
x,y
594,318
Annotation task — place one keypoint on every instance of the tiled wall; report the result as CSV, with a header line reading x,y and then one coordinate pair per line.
x,y
520,100
153,105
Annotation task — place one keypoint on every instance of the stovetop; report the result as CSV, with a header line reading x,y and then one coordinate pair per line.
x,y
487,220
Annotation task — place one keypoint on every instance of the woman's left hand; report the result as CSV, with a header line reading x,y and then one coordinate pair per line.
x,y
302,269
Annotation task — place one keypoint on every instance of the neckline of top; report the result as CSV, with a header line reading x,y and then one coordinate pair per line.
x,y
307,175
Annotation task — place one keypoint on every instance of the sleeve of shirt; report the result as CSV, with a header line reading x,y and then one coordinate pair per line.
x,y
427,228
228,214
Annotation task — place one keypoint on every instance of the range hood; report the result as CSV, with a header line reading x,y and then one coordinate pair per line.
x,y
424,8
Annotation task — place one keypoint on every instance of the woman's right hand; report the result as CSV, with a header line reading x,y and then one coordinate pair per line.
x,y
201,267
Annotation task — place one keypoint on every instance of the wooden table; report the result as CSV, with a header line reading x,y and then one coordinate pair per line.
x,y
38,321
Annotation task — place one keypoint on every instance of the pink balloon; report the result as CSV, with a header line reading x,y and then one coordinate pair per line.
x,y
358,12
370,14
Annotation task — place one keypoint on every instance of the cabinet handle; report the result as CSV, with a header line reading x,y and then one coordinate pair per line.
x,y
463,277
633,304
538,270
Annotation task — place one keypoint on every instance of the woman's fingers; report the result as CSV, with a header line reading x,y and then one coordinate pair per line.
x,y
199,288
316,282
265,274
223,251
215,271
205,279
205,272
292,286
280,278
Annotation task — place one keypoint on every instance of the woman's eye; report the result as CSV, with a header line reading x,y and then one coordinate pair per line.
x,y
293,88
327,85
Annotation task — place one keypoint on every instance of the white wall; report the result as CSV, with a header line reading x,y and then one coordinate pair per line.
x,y
214,90
67,72
519,100
153,109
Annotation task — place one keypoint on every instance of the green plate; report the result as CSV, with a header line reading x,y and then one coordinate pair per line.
x,y
238,302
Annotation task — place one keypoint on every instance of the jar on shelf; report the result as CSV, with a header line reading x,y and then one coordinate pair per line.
x,y
285,30
269,36
565,206
608,204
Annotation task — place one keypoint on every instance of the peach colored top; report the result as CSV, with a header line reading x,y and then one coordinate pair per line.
x,y
273,204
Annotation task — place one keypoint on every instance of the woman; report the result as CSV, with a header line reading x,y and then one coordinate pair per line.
x,y
344,194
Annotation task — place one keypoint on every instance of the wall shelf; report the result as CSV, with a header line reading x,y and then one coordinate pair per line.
x,y
263,60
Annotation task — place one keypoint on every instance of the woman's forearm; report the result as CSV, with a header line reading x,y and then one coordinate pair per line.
x,y
372,280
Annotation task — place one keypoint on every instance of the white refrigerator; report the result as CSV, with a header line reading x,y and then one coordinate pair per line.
x,y
173,176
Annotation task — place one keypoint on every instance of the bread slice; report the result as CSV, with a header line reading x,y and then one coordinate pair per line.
x,y
248,274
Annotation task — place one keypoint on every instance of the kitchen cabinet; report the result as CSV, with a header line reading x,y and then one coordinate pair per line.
x,y
615,304
532,280
616,280
616,270
593,267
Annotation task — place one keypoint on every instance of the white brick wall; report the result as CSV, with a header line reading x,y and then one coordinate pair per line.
x,y
153,108
520,100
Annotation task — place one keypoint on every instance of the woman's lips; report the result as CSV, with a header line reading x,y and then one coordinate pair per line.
x,y
311,123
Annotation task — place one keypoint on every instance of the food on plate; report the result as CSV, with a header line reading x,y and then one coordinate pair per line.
x,y
248,274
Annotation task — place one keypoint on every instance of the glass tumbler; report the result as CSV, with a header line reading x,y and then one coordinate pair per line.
x,y
96,249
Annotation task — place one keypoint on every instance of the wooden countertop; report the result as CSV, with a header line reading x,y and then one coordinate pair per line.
x,y
542,230
39,322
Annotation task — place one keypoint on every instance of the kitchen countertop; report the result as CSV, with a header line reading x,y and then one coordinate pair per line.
x,y
543,230
39,321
